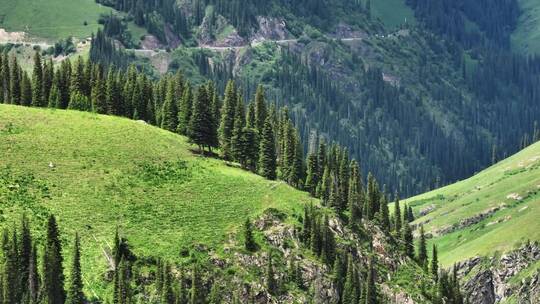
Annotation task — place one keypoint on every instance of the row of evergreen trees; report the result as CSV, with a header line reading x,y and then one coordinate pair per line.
x,y
29,277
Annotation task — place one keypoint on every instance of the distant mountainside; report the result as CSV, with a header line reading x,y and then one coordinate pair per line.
x,y
494,212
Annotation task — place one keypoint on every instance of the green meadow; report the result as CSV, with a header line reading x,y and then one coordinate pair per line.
x,y
97,173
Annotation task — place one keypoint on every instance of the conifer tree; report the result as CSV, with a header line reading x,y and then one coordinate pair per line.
x,y
169,113
408,240
53,271
397,216
371,290
324,186
228,119
75,290
25,253
33,277
249,240
435,264
328,243
11,278
250,116
267,151
410,215
99,100
15,81
349,292
37,98
422,250
340,272
167,293
202,131
184,113
355,195
385,217
48,76
312,178
235,145
26,90
249,143
261,113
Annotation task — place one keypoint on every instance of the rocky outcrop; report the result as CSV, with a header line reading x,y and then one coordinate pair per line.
x,y
466,222
488,280
274,29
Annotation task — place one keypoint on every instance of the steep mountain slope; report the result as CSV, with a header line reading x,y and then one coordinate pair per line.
x,y
495,210
489,225
97,173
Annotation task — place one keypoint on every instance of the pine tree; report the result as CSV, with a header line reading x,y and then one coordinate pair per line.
x,y
98,96
26,90
11,278
169,113
397,216
340,272
228,120
267,152
37,99
371,290
201,130
312,178
167,293
385,217
249,240
235,147
349,293
75,291
328,243
250,116
355,194
410,215
261,113
408,240
15,81
25,253
33,277
435,264
53,271
422,250
184,113
324,186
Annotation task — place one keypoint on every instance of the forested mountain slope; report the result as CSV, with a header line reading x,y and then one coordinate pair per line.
x,y
189,229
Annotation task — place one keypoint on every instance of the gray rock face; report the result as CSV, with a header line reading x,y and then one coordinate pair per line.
x,y
489,278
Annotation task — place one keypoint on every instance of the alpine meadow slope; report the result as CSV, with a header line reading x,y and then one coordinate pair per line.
x,y
496,210
97,173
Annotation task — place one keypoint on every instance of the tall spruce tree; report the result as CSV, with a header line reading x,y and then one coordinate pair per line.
x,y
422,250
397,216
271,283
371,289
249,240
435,264
185,109
53,271
202,131
169,113
408,246
37,98
15,82
312,178
261,113
33,277
75,290
267,151
228,120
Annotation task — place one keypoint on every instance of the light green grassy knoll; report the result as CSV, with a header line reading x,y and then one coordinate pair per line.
x,y
526,37
98,172
51,19
393,13
513,185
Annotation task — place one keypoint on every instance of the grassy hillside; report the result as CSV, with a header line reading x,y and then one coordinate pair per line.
x,y
526,37
512,186
51,19
98,172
